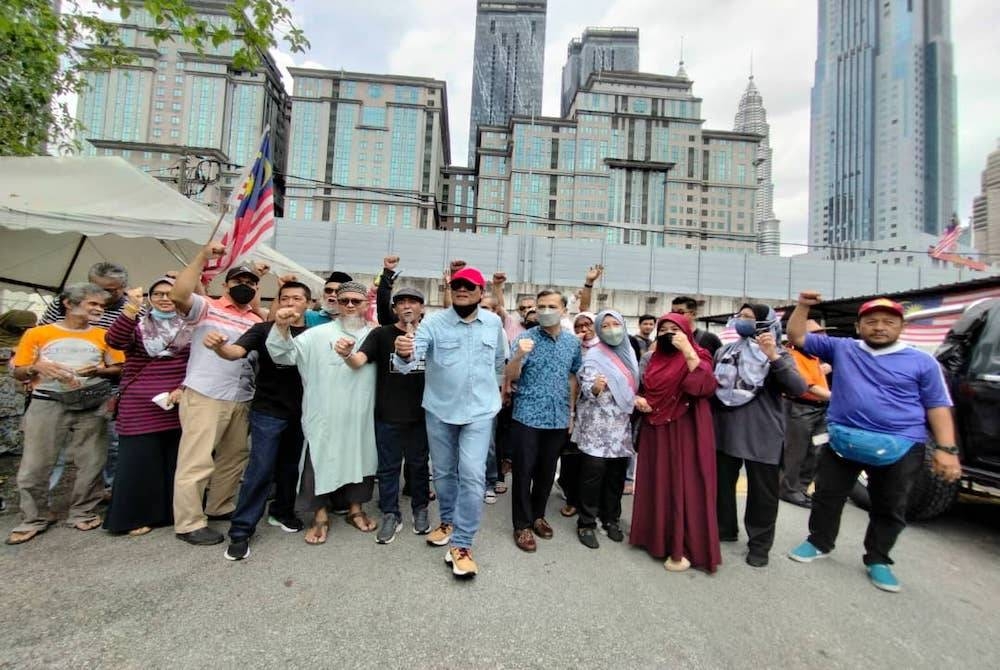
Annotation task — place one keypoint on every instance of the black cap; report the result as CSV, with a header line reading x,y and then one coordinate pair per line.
x,y
408,292
339,277
241,270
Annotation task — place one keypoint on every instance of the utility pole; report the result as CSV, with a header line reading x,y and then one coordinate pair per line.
x,y
182,176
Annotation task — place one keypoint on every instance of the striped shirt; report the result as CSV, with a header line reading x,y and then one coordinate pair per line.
x,y
208,373
142,378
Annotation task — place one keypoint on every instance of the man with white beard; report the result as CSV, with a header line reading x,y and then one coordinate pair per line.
x,y
338,402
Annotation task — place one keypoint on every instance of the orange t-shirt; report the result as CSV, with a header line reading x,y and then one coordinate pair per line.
x,y
809,368
73,348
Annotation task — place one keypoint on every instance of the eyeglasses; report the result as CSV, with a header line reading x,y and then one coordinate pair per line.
x,y
158,295
329,290
350,301
462,284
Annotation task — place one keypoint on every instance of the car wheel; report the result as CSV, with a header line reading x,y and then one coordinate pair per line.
x,y
930,496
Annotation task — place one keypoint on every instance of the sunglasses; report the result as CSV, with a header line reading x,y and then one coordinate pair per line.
x,y
351,301
462,284
329,291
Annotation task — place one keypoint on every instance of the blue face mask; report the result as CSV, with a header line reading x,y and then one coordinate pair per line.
x,y
161,315
745,327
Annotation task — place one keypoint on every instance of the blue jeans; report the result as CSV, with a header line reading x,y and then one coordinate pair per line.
x,y
458,454
492,467
275,451
396,441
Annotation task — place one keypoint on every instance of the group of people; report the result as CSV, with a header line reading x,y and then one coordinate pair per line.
x,y
196,409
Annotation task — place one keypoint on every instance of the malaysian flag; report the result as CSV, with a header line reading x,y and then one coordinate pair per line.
x,y
949,240
942,312
253,221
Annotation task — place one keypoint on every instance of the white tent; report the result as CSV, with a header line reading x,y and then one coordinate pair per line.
x,y
59,216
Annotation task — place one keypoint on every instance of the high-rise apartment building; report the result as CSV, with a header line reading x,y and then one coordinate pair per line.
x,y
751,117
598,50
508,63
174,106
882,154
631,164
366,149
986,211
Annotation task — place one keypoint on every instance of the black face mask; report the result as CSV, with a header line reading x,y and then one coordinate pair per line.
x,y
665,343
465,310
242,294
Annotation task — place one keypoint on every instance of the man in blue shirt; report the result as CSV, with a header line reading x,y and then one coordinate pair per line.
x,y
464,350
887,389
544,365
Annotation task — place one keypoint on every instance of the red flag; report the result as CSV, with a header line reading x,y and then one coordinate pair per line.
x,y
254,218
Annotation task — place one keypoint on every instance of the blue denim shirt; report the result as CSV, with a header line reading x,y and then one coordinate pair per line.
x,y
464,365
542,396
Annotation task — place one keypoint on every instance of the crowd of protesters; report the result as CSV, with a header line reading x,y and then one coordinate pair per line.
x,y
179,409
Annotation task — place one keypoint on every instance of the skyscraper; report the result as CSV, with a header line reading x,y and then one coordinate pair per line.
x,y
366,149
174,107
986,211
599,50
508,63
882,154
751,117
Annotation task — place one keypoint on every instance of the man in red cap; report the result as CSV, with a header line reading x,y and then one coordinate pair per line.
x,y
885,396
464,349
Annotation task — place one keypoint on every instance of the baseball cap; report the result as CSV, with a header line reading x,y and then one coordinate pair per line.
x,y
241,270
472,275
883,304
408,292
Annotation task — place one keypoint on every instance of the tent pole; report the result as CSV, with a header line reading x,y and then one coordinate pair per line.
x,y
72,262
172,252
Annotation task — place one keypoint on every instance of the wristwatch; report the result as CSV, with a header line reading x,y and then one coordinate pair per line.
x,y
948,449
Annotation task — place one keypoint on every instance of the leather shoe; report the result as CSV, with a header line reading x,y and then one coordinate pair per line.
x,y
524,540
543,529
202,537
797,498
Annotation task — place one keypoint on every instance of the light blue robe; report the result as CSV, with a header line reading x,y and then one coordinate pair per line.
x,y
338,404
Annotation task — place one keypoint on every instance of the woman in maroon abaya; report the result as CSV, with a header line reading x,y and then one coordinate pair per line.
x,y
673,515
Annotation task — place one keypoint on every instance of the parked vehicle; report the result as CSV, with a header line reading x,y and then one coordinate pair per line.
x,y
970,359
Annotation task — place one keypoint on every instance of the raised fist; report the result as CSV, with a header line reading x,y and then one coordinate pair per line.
x,y
344,346
134,296
285,316
455,266
214,250
260,268
499,278
809,298
524,346
214,339
390,263
594,273
404,346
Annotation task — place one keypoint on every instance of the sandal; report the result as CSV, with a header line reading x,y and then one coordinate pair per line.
x,y
568,511
141,530
499,488
87,525
20,537
366,525
317,533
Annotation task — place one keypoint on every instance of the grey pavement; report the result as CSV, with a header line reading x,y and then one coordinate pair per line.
x,y
83,600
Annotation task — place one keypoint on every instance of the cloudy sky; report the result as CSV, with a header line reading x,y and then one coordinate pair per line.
x,y
434,38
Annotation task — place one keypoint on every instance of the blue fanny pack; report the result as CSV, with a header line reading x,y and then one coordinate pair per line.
x,y
866,446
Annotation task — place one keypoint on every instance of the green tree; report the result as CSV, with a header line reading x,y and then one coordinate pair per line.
x,y
45,54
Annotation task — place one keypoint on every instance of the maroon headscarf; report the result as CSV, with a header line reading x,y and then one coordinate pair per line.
x,y
664,373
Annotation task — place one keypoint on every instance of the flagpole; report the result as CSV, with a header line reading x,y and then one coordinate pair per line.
x,y
222,215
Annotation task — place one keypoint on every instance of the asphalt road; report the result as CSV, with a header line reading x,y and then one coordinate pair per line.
x,y
82,600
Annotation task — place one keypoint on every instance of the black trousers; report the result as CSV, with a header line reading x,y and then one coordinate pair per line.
x,y
535,452
889,488
569,473
761,514
602,481
800,458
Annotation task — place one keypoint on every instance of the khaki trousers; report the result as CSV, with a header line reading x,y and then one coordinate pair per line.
x,y
208,426
47,427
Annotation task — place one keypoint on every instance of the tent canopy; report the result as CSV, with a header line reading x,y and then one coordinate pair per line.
x,y
59,216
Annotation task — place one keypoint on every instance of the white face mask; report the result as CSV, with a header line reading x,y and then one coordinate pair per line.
x,y
548,317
